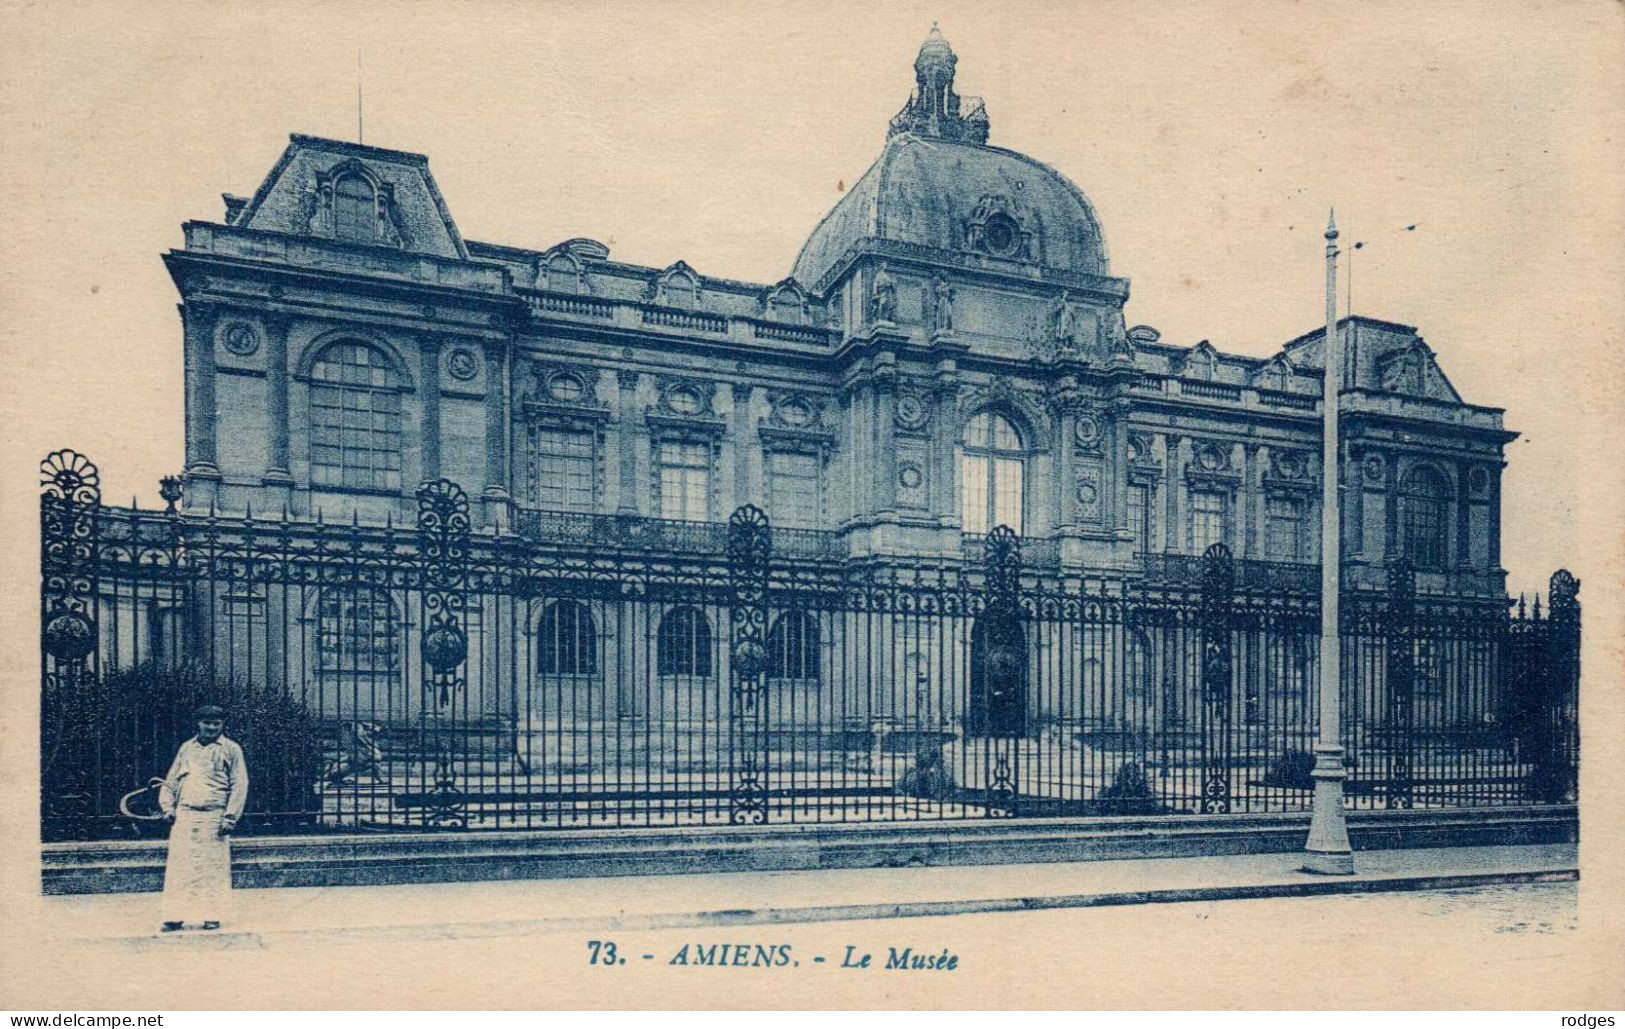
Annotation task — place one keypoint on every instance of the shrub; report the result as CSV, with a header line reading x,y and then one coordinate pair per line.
x,y
1291,771
103,737
928,777
1130,792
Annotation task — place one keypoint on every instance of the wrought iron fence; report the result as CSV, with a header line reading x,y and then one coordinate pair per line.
x,y
437,677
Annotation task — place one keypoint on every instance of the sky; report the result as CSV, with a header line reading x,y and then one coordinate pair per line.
x,y
1211,137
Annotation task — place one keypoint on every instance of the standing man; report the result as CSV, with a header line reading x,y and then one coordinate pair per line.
x,y
203,796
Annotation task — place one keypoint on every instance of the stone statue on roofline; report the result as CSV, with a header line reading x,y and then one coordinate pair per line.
x,y
942,307
883,298
1063,323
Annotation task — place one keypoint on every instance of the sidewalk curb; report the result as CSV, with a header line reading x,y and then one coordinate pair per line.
x,y
1310,886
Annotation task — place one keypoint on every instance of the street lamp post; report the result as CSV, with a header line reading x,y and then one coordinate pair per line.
x,y
1327,850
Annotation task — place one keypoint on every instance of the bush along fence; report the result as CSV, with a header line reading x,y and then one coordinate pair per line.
x,y
434,677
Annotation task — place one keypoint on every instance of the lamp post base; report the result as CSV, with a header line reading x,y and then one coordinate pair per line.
x,y
1327,851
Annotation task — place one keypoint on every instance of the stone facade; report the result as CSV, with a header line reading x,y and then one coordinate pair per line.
x,y
343,343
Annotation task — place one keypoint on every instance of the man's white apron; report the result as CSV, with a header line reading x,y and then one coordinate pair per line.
x,y
197,875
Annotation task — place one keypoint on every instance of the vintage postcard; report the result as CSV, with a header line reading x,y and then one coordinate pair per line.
x,y
720,505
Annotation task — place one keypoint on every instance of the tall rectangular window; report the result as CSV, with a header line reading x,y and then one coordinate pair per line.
x,y
1283,529
562,469
793,487
1141,518
991,474
973,483
1208,518
1007,493
355,419
685,480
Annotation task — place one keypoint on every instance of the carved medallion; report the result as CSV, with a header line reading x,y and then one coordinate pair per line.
x,y
1373,468
240,339
1289,465
1086,430
1139,448
795,413
462,364
1088,495
911,413
1212,457
910,476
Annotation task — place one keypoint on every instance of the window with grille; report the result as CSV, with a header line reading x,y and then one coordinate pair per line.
x,y
567,640
563,467
792,647
1283,528
1141,518
355,210
1423,508
793,487
683,645
1209,515
355,419
685,480
357,632
992,470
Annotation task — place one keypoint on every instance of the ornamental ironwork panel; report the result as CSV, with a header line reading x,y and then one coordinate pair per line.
x,y
443,528
1002,664
1400,671
750,547
70,499
1217,672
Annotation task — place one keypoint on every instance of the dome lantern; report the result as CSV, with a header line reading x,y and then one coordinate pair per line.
x,y
934,111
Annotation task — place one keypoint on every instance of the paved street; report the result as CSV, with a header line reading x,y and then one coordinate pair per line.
x,y
1484,947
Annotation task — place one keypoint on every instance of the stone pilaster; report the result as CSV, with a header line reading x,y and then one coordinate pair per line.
x,y
863,449
429,390
1390,486
886,426
1250,535
627,384
944,444
1464,513
1172,529
1495,517
1115,474
1066,500
278,467
743,447
496,494
199,318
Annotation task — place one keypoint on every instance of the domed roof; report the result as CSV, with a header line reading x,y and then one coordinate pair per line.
x,y
938,184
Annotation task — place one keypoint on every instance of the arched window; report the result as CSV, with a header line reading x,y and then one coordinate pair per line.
x,y
567,640
355,418
355,210
357,633
991,474
684,643
1423,507
792,647
563,274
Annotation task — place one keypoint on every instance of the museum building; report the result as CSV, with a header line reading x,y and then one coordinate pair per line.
x,y
947,353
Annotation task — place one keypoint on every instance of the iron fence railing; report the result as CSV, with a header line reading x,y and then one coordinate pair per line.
x,y
430,676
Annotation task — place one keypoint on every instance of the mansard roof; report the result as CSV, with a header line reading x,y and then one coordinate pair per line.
x,y
290,198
